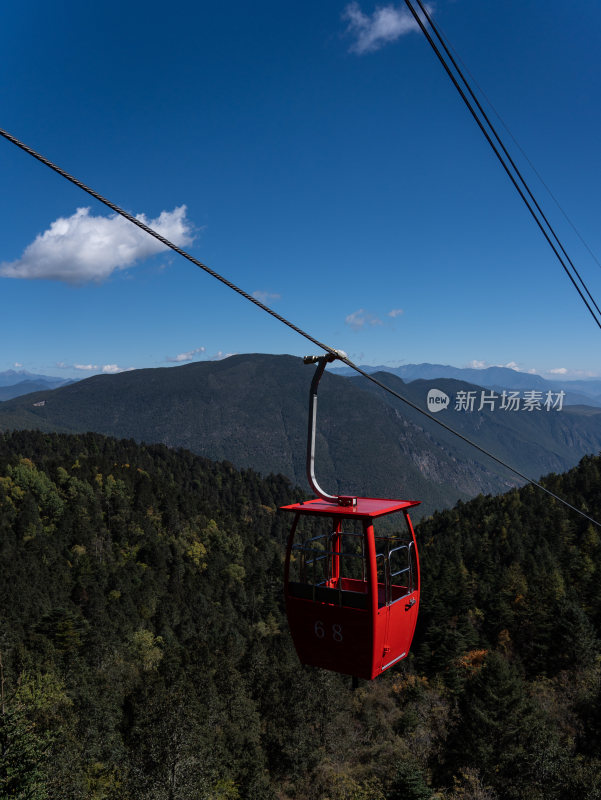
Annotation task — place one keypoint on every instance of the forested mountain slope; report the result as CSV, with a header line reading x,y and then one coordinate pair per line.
x,y
145,653
252,411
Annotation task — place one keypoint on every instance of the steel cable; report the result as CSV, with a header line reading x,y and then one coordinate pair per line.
x,y
521,191
505,151
448,46
336,353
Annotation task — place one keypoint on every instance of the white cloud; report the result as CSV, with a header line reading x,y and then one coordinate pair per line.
x,y
570,373
360,318
266,297
84,248
189,356
17,364
395,312
385,25
109,369
112,369
475,364
577,373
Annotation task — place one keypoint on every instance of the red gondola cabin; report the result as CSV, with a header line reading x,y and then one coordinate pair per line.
x,y
352,596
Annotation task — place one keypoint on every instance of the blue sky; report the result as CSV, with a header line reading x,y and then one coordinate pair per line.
x,y
315,154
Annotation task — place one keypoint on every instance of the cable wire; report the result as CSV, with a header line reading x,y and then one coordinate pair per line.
x,y
336,353
532,166
522,190
506,153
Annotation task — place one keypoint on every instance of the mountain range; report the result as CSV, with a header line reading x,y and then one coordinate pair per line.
x,y
14,383
251,410
577,392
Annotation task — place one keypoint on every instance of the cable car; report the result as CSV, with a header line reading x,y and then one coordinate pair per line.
x,y
352,596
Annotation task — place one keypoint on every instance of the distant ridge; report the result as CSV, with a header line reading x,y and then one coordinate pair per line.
x,y
251,410
577,392
14,383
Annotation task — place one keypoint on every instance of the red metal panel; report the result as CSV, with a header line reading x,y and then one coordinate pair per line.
x,y
399,620
372,579
366,507
331,636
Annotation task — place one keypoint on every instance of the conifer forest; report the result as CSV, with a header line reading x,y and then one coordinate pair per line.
x,y
145,654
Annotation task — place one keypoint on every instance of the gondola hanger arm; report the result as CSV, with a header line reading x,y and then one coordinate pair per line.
x,y
322,362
